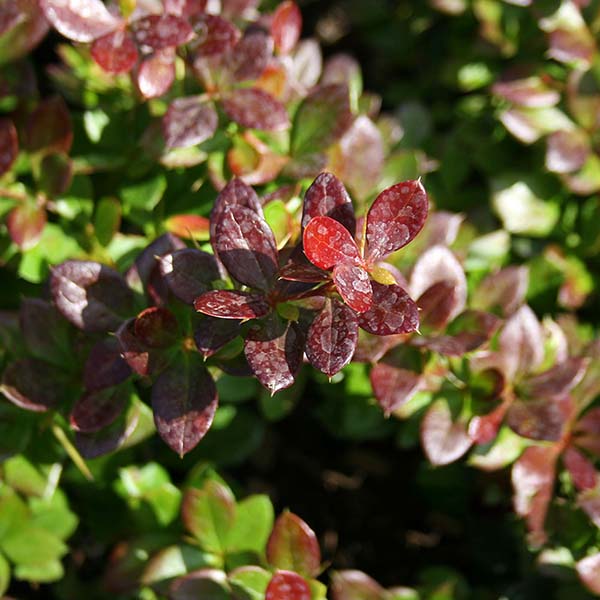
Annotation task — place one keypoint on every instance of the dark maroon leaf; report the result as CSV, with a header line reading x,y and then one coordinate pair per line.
x,y
332,337
395,218
189,272
142,359
557,380
588,569
26,223
184,400
286,26
567,151
505,290
105,367
156,327
372,348
92,296
250,56
212,334
581,469
287,585
189,121
56,174
49,127
115,52
354,286
328,243
542,419
214,34
156,32
393,387
156,73
392,311
98,409
255,108
230,304
355,585
298,268
274,353
9,146
80,20
327,197
235,193
293,546
246,246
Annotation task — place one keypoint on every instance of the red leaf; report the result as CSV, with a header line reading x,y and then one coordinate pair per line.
x,y
542,419
355,585
250,56
212,334
392,311
9,145
588,570
157,32
483,429
229,304
105,366
327,197
184,401
143,359
26,223
156,73
286,585
393,387
332,337
115,52
251,107
581,469
156,327
354,285
556,381
49,127
96,410
293,546
395,218
189,121
327,243
504,289
80,20
214,34
286,26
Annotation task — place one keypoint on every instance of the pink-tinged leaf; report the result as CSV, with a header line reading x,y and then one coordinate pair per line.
x,y
9,145
80,20
185,8
483,429
205,583
341,69
327,197
436,306
33,384
254,108
556,381
570,46
332,338
567,151
589,499
293,546
105,367
287,585
531,92
189,121
95,410
392,311
212,334
229,304
214,34
328,243
94,297
355,585
188,273
25,223
49,127
354,285
588,570
239,8
23,25
246,246
443,439
156,32
286,26
274,353
156,327
392,386
542,419
533,483
306,67
115,52
184,401
250,56
191,227
521,343
156,73
504,289
395,218
581,469
372,348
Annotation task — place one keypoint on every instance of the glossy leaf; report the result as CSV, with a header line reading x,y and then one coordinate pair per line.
x,y
189,121
293,546
105,366
156,327
287,585
115,52
229,304
26,223
393,386
286,26
354,286
157,32
328,243
212,334
156,73
97,409
9,145
254,108
214,34
235,193
355,585
392,311
250,56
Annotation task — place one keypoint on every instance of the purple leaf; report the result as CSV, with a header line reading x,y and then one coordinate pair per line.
x,y
299,268
80,20
184,401
115,52
212,334
332,338
393,387
143,359
556,381
156,327
92,296
286,26
355,585
230,304
189,121
504,289
214,34
354,285
392,311
25,223
105,367
328,243
49,127
98,409
235,193
567,151
255,108
581,469
287,585
156,73
250,56
246,246
156,32
9,146
395,218
588,569
542,419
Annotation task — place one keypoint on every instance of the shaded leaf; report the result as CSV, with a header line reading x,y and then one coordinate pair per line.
x,y
286,26
392,386
504,289
56,174
141,358
189,121
157,32
354,285
556,381
229,304
9,145
212,334
97,409
581,469
107,219
115,52
49,127
26,223
235,193
355,585
328,243
105,367
206,583
287,585
392,311
156,73
542,419
156,327
255,108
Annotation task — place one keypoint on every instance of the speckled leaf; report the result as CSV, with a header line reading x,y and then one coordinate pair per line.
x,y
255,108
392,311
212,334
393,386
156,73
246,246
230,304
286,26
49,127
105,367
354,286
140,357
235,193
293,546
214,34
504,289
332,337
184,401
328,243
115,52
156,32
98,409
250,56
9,146
287,585
355,585
92,296
588,569
156,327
395,218
542,419
189,121
26,223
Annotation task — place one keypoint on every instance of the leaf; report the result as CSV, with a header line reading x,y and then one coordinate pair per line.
x,y
239,8
392,311
156,327
531,92
252,526
80,20
212,334
246,246
286,585
235,193
105,366
307,65
98,409
529,124
327,197
9,145
588,569
286,26
581,469
393,387
209,515
206,583
505,289
443,439
327,243
22,27
26,223
92,296
55,175
156,73
255,108
214,34
250,56
354,286
251,581
189,121
107,220
31,546
332,338
49,127
4,574
293,546
230,304
156,32
115,52
567,151
556,381
184,401
355,585
141,358
541,419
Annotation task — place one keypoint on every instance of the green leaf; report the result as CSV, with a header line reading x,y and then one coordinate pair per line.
x,y
174,561
21,475
54,515
13,511
252,526
144,195
28,545
107,220
251,581
41,573
4,575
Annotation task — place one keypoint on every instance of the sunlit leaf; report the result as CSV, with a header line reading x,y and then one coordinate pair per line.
x,y
287,585
230,304
157,32
255,108
189,121
328,243
115,52
286,26
392,311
